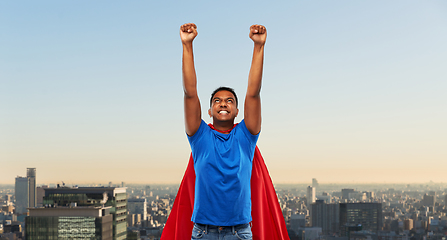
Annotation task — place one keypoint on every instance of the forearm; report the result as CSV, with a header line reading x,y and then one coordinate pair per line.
x,y
255,75
189,72
191,99
252,111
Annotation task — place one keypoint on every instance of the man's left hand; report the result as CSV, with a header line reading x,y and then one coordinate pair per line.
x,y
258,34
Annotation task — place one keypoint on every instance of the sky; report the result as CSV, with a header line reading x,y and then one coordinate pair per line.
x,y
353,91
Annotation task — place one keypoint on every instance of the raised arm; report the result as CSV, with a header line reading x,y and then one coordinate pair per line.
x,y
252,107
192,108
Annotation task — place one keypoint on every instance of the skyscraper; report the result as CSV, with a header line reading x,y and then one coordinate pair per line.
x,y
31,175
21,194
94,196
25,191
311,197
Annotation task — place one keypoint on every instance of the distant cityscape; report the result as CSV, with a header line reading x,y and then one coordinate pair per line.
x,y
139,211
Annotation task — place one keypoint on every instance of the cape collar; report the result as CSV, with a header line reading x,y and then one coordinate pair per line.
x,y
227,131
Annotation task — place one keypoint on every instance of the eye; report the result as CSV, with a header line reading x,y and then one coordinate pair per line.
x,y
216,100
230,100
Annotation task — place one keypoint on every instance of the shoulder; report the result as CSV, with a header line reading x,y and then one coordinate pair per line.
x,y
202,129
242,128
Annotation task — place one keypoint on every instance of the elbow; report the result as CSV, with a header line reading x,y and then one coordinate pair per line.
x,y
253,96
190,92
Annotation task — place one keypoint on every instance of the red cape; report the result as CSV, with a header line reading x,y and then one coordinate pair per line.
x,y
268,221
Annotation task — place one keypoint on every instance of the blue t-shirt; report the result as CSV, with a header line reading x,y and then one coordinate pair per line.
x,y
223,165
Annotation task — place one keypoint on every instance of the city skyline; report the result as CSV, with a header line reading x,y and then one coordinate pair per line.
x,y
352,91
395,211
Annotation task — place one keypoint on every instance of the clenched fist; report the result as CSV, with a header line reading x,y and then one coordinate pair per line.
x,y
188,32
258,34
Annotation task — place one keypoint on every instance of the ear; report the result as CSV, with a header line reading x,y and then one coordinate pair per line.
x,y
237,112
209,112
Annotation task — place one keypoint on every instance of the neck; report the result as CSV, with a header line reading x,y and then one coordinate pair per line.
x,y
224,127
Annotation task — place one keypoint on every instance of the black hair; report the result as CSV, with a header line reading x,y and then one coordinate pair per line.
x,y
223,89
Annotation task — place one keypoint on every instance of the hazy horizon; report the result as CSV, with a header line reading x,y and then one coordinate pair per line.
x,y
67,184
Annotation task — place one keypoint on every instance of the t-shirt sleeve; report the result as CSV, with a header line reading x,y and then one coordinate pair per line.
x,y
251,138
192,139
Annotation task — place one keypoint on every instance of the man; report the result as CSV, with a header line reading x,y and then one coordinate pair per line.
x,y
222,155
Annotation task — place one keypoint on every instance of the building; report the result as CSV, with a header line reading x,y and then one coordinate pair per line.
x,y
345,193
325,216
310,233
368,215
137,206
326,198
113,197
369,195
25,191
429,200
71,222
21,194
311,196
7,209
357,196
408,224
133,235
297,222
40,193
31,175
7,198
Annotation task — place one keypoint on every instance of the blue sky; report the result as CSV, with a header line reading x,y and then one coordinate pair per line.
x,y
353,91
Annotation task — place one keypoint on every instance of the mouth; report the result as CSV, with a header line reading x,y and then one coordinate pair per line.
x,y
223,112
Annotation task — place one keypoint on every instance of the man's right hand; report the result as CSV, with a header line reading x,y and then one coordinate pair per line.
x,y
188,32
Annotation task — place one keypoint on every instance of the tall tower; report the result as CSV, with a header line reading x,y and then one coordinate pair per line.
x,y
310,195
31,175
21,194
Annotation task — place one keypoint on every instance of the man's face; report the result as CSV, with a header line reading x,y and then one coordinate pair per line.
x,y
223,107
